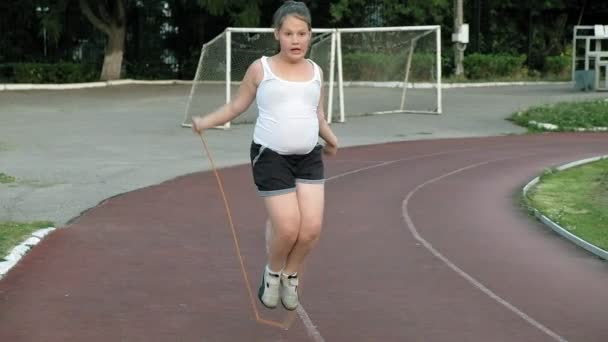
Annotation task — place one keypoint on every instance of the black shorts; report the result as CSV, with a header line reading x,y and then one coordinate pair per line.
x,y
276,174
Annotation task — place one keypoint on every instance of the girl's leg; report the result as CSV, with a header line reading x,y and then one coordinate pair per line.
x,y
284,216
310,200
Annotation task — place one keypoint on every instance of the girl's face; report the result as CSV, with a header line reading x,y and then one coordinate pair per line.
x,y
293,37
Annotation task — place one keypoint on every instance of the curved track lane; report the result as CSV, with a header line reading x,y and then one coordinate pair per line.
x,y
423,241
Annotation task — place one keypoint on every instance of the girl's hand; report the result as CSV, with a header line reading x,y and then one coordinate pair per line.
x,y
198,125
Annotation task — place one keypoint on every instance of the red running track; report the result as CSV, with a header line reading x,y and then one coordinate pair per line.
x,y
423,241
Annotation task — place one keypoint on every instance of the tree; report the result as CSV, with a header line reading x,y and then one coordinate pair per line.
x,y
350,13
535,28
110,18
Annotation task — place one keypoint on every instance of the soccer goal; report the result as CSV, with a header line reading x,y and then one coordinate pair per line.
x,y
225,59
389,70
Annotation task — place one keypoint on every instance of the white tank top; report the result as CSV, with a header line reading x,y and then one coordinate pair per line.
x,y
287,120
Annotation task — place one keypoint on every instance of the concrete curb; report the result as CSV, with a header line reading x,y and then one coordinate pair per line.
x,y
66,86
552,127
22,249
556,227
24,86
501,84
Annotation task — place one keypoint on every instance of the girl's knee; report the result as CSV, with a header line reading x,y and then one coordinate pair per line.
x,y
310,231
287,231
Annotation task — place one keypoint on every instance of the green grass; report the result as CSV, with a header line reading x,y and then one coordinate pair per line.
x,y
577,200
568,116
4,146
5,179
14,181
13,233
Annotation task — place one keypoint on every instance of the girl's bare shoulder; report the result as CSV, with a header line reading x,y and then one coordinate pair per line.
x,y
256,71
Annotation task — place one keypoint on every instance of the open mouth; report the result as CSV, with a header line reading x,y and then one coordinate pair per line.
x,y
295,50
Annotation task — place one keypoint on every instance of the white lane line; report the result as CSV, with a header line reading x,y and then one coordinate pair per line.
x,y
458,270
311,329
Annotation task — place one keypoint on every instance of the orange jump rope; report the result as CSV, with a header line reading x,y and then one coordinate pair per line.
x,y
291,316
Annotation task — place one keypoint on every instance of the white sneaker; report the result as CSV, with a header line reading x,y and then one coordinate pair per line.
x,y
268,292
289,291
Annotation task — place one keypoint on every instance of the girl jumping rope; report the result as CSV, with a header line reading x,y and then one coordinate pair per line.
x,y
286,158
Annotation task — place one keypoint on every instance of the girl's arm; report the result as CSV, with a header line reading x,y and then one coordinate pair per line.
x,y
331,141
242,101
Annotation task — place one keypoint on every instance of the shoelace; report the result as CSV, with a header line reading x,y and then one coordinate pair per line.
x,y
292,280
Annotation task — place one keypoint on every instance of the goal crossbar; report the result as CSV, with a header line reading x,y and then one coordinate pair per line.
x,y
335,57
389,28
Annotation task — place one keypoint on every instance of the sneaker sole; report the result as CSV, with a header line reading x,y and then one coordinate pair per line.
x,y
286,308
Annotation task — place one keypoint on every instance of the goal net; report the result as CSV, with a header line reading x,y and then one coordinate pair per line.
x,y
389,70
225,59
379,70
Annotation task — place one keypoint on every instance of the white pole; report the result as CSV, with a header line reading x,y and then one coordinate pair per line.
x,y
212,41
574,52
340,76
408,64
196,77
332,62
228,69
439,99
598,70
587,48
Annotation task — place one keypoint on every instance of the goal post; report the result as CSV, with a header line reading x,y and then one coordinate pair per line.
x,y
374,70
224,60
398,69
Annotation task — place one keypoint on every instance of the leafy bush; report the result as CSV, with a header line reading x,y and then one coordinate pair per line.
x,y
7,73
559,66
48,73
479,66
148,71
